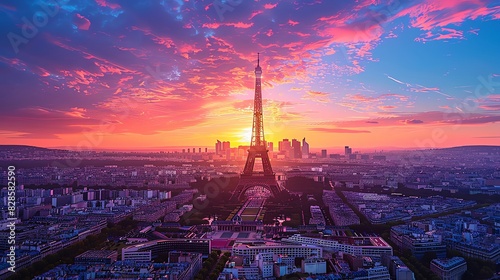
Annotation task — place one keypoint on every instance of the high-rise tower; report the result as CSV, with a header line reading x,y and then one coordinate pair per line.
x,y
305,148
258,149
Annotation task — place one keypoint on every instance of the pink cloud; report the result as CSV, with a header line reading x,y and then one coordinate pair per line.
x,y
151,113
104,3
490,103
352,33
412,121
384,102
254,14
270,6
495,107
429,118
431,15
77,112
443,34
160,40
44,123
216,25
363,98
186,50
82,22
387,107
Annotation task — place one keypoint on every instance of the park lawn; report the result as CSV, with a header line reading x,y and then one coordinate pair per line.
x,y
250,211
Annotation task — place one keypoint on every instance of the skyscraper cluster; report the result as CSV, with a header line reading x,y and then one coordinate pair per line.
x,y
293,149
223,148
286,149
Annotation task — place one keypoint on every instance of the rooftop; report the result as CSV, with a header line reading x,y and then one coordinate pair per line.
x,y
449,263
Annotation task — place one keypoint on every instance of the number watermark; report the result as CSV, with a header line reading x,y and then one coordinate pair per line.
x,y
11,201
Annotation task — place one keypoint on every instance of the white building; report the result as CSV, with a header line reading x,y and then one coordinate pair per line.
x,y
251,249
265,263
374,247
314,265
136,256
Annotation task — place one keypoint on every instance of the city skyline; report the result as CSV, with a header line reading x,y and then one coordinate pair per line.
x,y
104,74
95,211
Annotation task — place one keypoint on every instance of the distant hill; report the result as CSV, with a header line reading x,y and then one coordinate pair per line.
x,y
473,149
22,148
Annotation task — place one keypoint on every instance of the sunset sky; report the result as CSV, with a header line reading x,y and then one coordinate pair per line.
x,y
106,74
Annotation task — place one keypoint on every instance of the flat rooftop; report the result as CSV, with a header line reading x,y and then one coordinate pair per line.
x,y
449,263
256,244
377,241
233,235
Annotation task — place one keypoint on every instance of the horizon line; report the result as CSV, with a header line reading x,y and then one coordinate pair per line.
x,y
156,148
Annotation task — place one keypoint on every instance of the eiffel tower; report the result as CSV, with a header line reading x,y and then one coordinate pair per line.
x,y
258,149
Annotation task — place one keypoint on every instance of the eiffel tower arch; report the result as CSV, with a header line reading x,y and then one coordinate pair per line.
x,y
258,150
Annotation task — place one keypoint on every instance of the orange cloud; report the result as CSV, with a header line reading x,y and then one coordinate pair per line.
x,y
317,96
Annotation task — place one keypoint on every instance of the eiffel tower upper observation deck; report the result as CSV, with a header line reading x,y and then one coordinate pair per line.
x,y
258,149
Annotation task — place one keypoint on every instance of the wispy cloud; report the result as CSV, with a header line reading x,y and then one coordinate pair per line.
x,y
433,118
417,87
337,130
317,96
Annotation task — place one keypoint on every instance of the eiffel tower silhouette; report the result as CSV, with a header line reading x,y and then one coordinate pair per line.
x,y
258,149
